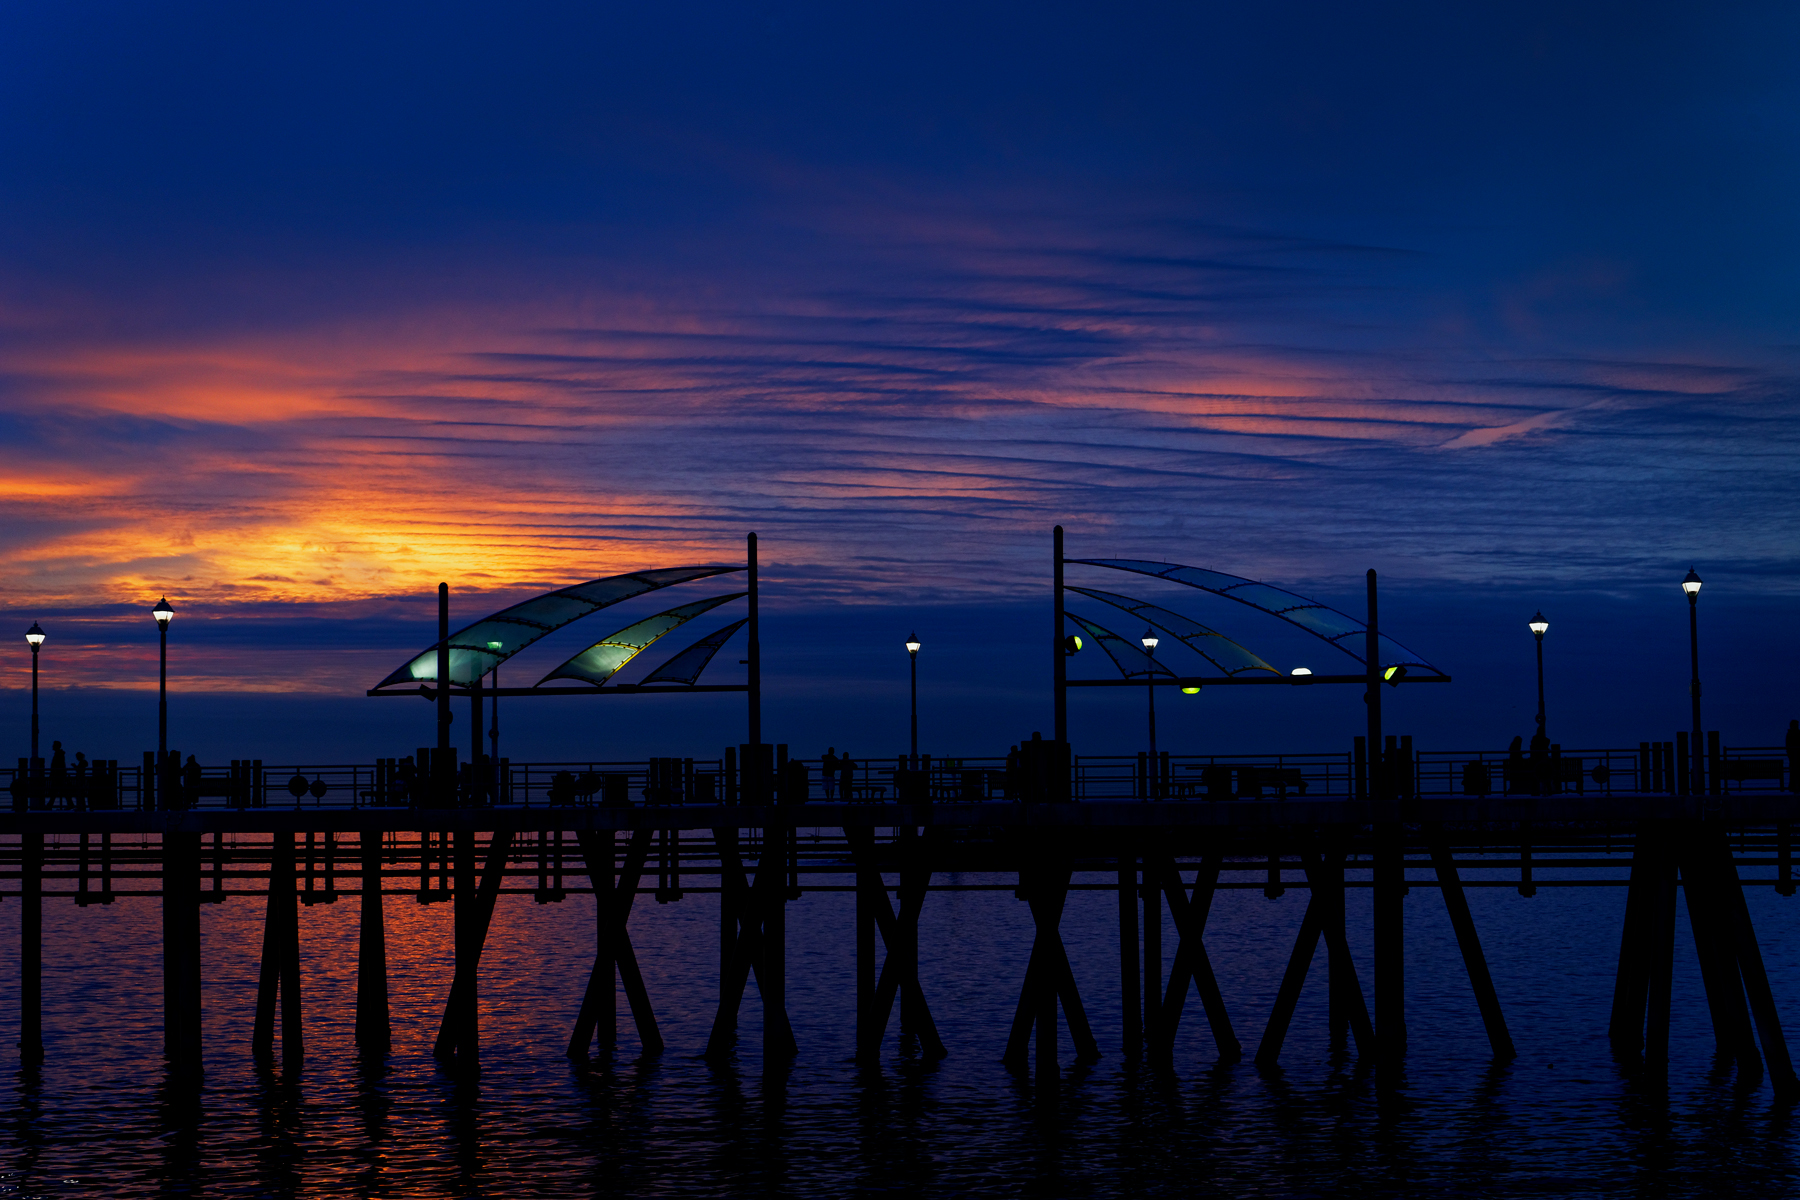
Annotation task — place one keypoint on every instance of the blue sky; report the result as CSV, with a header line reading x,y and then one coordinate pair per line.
x,y
303,309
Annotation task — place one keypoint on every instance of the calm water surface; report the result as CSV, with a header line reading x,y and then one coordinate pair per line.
x,y
1563,1120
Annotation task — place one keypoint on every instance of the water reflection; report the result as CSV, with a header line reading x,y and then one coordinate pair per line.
x,y
374,1104
280,1140
1454,1123
179,1113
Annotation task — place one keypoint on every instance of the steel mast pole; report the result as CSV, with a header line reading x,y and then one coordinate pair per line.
x,y
1699,772
34,704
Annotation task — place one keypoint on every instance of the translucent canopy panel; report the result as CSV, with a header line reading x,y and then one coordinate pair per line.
x,y
602,660
686,666
1129,657
1328,624
1209,644
517,627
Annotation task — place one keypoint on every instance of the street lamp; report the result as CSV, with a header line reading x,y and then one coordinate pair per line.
x,y
912,652
1150,639
163,614
34,637
1539,627
1691,585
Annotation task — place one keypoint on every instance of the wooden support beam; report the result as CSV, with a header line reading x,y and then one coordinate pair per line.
x,y
31,946
1048,979
1130,992
771,977
279,979
459,1034
1344,993
871,898
1153,953
1268,1051
754,907
1474,961
614,951
1631,983
181,953
1710,922
1191,961
1390,942
374,1031
1660,948
899,975
1756,977
733,889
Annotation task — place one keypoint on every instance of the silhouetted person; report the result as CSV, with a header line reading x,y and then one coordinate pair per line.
x,y
846,768
828,772
404,775
1793,749
1514,771
59,776
562,788
190,783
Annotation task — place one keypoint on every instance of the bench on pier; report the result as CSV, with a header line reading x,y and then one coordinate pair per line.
x,y
1215,782
1252,781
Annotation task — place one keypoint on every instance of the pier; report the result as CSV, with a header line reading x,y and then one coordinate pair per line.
x,y
657,831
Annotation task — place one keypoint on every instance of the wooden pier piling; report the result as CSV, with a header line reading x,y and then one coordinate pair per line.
x,y
374,1033
1130,991
181,953
31,948
279,978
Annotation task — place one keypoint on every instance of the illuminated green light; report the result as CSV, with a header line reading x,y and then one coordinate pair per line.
x,y
1190,691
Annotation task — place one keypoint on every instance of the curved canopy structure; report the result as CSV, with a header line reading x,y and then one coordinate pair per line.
x,y
473,654
1209,644
1130,658
604,658
686,666
1322,621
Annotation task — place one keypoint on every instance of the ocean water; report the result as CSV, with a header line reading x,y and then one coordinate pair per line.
x,y
1563,1119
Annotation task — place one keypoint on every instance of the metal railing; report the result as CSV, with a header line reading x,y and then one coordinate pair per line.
x,y
1650,767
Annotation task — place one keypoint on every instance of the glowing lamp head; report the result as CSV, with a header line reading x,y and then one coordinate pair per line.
x,y
1301,671
495,646
1149,639
1394,675
1072,644
1691,585
34,636
1538,625
1190,691
913,643
163,613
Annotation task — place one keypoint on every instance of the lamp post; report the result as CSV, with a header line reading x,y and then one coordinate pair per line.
x,y
912,652
1691,585
1150,639
163,614
1539,627
34,637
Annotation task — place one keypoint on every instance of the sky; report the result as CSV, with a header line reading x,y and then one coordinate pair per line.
x,y
304,309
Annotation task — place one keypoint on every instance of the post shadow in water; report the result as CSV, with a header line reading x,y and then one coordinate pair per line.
x,y
619,1102
280,1134
179,1113
891,1142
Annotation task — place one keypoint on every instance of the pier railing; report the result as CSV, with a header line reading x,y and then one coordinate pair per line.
x,y
1649,767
